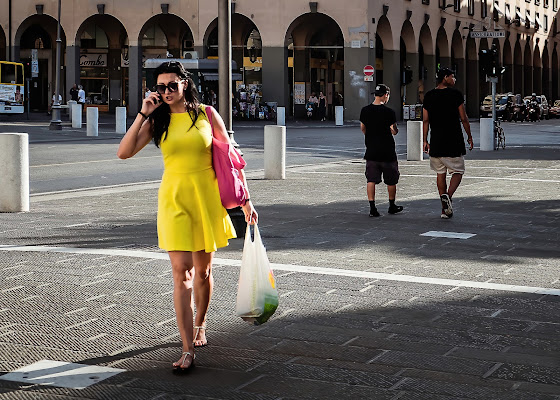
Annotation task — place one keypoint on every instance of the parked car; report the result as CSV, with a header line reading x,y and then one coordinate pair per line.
x,y
543,105
554,110
503,106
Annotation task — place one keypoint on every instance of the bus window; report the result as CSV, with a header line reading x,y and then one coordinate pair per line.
x,y
19,76
8,73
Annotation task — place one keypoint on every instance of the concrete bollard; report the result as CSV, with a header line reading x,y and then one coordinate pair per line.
x,y
339,115
14,179
414,140
274,152
281,116
70,103
120,116
76,115
92,121
486,134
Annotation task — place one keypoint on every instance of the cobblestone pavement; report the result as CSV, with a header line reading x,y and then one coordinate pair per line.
x,y
370,308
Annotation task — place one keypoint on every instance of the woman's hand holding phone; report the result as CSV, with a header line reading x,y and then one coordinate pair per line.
x,y
150,103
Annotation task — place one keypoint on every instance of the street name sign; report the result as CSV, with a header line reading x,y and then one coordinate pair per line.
x,y
487,34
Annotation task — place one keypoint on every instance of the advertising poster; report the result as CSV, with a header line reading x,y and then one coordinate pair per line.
x,y
299,93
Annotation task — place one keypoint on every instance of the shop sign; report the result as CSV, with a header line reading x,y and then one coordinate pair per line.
x,y
93,60
248,64
34,63
125,62
299,93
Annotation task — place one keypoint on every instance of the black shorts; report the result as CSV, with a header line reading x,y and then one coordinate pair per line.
x,y
389,170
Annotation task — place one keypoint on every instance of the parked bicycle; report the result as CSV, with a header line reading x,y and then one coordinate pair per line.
x,y
499,135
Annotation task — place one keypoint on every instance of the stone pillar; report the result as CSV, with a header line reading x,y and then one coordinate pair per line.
x,y
461,75
134,80
508,78
412,87
275,75
392,78
472,88
430,79
72,67
518,79
115,79
356,90
15,53
537,80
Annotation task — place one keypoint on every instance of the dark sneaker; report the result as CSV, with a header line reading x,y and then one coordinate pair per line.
x,y
447,207
395,209
374,213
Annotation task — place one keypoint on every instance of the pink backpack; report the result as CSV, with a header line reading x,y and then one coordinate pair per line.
x,y
227,164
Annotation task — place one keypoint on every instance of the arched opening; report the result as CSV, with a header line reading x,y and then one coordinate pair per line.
x,y
508,64
472,77
315,46
427,62
36,37
2,45
247,55
537,71
546,89
443,57
528,70
410,60
517,69
103,49
555,73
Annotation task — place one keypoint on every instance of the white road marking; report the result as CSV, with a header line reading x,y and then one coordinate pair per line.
x,y
300,268
89,162
450,235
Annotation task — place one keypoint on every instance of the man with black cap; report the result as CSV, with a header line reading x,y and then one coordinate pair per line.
x,y
379,125
443,109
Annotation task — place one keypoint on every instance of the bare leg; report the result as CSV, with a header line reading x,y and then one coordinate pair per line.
x,y
441,184
371,191
454,184
392,189
203,287
182,263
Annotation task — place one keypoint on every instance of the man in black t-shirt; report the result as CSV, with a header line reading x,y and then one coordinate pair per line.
x,y
74,93
444,108
379,125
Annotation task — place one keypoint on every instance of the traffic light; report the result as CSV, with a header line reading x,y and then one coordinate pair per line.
x,y
490,61
406,75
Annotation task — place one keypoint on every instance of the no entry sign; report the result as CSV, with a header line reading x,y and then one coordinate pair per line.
x,y
368,70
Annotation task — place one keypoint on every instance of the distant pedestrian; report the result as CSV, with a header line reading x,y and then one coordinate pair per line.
x,y
443,109
379,125
314,101
74,93
322,107
81,95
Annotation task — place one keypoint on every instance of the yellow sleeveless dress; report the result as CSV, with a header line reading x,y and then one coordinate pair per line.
x,y
190,213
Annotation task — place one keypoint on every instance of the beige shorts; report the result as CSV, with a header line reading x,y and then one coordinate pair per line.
x,y
451,165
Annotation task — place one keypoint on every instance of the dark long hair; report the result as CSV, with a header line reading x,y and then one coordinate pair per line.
x,y
162,115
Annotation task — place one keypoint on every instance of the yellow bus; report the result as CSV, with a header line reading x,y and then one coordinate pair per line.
x,y
11,87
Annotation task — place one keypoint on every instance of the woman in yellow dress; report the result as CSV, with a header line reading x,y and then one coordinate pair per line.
x,y
192,223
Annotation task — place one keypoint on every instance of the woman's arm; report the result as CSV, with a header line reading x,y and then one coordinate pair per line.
x,y
140,132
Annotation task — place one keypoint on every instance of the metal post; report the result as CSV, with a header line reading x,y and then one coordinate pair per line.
x,y
494,81
28,80
224,65
56,123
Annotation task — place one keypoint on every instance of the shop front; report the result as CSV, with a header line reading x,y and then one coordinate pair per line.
x,y
94,77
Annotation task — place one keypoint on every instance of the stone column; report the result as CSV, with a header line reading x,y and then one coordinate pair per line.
x,y
412,87
275,75
134,80
72,67
461,75
430,79
472,88
356,90
392,78
537,80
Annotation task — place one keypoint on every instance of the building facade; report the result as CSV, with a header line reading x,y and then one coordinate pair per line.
x,y
287,49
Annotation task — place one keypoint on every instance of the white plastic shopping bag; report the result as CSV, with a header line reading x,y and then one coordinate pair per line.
x,y
257,296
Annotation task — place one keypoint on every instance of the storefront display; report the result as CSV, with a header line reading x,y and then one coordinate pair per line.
x,y
94,77
248,104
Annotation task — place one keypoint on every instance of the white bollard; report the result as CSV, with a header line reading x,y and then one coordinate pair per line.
x,y
76,115
281,116
339,115
120,115
70,103
14,179
486,134
274,152
414,140
92,121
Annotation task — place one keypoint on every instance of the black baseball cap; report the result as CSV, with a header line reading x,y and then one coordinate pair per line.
x,y
381,90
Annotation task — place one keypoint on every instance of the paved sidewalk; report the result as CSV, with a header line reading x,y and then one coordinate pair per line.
x,y
372,308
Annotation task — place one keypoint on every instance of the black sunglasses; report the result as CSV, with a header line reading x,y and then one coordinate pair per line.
x,y
161,88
